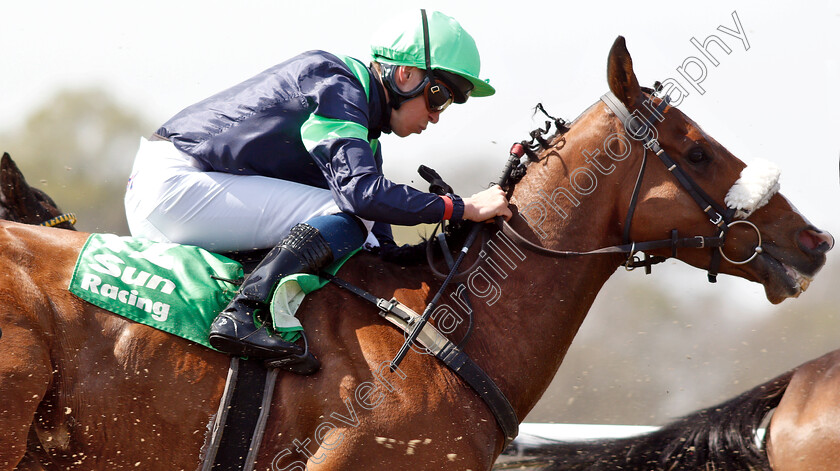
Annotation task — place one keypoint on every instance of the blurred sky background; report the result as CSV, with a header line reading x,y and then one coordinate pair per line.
x,y
776,101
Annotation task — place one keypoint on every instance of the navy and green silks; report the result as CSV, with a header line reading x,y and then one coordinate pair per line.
x,y
256,127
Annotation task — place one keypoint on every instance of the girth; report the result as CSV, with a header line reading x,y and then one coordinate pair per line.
x,y
404,318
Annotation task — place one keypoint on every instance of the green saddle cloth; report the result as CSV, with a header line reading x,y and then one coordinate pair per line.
x,y
175,288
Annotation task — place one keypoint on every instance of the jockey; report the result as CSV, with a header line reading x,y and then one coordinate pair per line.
x,y
290,159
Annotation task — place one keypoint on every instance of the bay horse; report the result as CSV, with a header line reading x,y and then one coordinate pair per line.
x,y
102,392
803,433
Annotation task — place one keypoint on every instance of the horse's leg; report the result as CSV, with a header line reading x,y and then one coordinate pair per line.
x,y
25,374
30,461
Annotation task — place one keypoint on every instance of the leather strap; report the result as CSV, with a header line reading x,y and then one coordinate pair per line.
x,y
696,242
713,210
472,374
240,421
404,318
628,219
717,214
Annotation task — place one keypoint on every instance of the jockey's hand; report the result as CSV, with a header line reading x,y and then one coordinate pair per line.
x,y
486,205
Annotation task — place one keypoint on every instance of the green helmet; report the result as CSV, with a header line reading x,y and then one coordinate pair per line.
x,y
452,49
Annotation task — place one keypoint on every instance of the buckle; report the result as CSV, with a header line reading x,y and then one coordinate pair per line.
x,y
632,260
702,241
387,306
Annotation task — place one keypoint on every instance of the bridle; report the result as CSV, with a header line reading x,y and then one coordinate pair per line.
x,y
60,219
723,218
415,326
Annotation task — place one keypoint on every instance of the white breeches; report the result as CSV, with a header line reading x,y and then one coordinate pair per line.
x,y
168,199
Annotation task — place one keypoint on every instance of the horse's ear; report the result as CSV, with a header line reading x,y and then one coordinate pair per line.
x,y
620,75
12,182
10,176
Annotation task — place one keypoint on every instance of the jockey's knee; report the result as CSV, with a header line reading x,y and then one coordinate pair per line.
x,y
343,232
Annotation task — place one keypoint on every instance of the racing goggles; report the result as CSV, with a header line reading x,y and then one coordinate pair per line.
x,y
441,92
454,88
439,88
438,96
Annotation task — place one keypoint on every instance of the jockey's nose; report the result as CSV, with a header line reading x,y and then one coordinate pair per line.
x,y
434,116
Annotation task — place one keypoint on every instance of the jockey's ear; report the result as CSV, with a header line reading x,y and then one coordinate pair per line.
x,y
620,75
407,77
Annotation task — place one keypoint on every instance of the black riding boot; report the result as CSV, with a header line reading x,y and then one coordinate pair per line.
x,y
304,250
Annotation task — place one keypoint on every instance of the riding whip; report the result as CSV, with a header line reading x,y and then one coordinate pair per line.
x,y
516,153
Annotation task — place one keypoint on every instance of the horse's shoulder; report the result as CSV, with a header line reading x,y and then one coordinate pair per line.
x,y
386,279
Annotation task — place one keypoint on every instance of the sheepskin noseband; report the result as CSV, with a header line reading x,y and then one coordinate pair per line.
x,y
758,183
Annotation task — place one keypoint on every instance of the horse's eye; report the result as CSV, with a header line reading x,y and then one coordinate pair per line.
x,y
697,156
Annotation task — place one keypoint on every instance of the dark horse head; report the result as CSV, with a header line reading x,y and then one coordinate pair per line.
x,y
20,202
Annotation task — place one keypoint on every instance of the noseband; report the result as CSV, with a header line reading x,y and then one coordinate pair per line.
x,y
723,218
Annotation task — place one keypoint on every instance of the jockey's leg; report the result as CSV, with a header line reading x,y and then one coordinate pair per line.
x,y
170,200
309,247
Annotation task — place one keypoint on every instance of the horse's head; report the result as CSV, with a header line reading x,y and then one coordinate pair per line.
x,y
663,178
20,202
792,250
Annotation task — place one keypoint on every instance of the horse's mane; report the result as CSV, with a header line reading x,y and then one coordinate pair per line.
x,y
719,438
407,255
541,139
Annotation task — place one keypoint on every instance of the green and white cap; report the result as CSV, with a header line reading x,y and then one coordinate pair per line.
x,y
400,42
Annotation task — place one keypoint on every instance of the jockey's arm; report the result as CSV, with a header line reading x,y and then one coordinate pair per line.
x,y
358,187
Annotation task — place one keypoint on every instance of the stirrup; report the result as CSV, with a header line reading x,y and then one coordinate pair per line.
x,y
303,364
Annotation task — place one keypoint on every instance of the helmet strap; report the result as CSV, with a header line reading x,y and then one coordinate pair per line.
x,y
426,48
396,96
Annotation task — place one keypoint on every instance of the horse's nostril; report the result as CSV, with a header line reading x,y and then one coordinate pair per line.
x,y
816,241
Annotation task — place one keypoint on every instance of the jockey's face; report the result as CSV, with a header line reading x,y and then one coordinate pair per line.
x,y
413,115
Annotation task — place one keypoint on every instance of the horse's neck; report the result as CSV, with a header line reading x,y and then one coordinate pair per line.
x,y
526,333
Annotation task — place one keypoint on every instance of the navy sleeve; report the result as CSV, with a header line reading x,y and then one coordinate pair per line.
x,y
336,136
360,189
